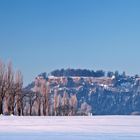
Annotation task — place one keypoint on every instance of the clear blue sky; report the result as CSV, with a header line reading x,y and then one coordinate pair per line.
x,y
42,35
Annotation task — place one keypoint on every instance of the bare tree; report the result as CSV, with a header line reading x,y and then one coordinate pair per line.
x,y
39,96
8,90
2,93
46,91
21,103
57,103
85,109
32,99
65,104
17,93
73,105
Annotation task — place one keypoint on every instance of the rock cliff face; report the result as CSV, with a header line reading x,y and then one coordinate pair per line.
x,y
96,95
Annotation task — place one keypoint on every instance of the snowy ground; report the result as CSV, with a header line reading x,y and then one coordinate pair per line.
x,y
70,128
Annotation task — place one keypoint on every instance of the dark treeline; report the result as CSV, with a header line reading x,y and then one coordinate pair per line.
x,y
85,73
78,72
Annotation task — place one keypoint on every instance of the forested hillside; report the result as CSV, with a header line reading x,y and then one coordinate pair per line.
x,y
110,93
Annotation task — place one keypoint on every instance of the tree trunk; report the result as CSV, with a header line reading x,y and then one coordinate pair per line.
x,y
1,109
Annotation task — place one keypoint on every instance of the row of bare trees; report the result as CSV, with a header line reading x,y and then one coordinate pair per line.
x,y
10,89
42,102
17,102
65,105
54,104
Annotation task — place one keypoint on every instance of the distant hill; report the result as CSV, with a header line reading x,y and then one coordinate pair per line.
x,y
102,93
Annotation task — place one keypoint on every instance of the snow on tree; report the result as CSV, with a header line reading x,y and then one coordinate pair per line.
x,y
85,109
73,105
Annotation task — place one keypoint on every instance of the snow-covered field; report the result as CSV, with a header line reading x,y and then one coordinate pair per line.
x,y
70,128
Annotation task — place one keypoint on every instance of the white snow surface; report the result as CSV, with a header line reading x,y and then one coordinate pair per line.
x,y
70,128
